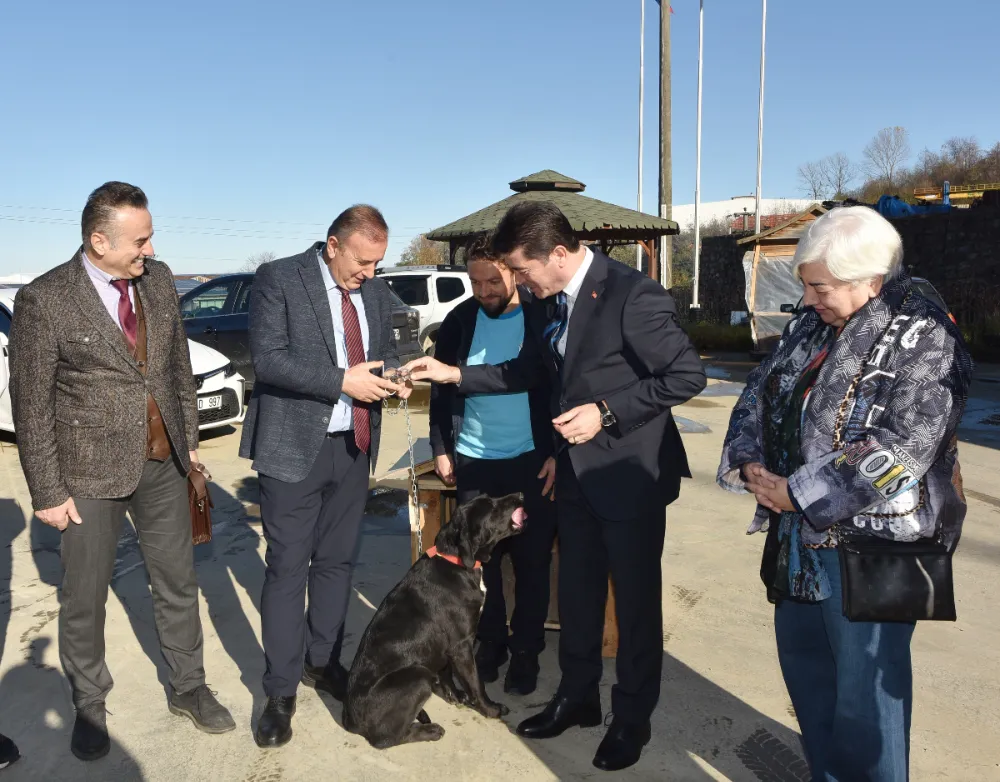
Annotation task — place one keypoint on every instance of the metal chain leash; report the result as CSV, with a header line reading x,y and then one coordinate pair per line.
x,y
399,376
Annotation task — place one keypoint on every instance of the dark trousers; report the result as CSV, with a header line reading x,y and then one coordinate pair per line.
x,y
530,552
312,530
159,509
589,548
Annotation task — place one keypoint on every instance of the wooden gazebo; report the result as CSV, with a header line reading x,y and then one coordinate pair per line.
x,y
606,224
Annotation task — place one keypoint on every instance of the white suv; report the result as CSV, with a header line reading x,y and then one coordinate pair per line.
x,y
433,291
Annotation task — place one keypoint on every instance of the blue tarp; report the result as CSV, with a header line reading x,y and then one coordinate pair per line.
x,y
894,206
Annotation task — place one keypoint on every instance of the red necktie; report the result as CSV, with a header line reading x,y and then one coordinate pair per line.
x,y
355,355
126,315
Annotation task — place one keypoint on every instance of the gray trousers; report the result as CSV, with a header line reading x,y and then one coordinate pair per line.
x,y
161,514
313,531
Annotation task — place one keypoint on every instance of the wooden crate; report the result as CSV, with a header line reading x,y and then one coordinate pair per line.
x,y
436,504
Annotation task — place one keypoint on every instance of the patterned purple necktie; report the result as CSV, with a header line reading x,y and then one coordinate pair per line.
x,y
126,315
355,356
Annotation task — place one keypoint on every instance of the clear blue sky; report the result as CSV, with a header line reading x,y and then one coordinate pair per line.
x,y
251,124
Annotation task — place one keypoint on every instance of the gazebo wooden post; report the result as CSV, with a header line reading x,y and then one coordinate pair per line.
x,y
649,247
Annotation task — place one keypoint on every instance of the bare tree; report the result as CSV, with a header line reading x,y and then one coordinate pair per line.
x,y
886,153
839,172
989,166
812,178
255,260
963,154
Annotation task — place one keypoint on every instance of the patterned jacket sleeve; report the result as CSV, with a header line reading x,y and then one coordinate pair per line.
x,y
34,362
273,362
910,425
743,438
744,441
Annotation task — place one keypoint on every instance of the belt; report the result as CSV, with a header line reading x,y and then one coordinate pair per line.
x,y
341,434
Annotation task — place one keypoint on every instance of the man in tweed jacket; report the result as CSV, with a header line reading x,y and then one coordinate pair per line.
x,y
106,421
320,337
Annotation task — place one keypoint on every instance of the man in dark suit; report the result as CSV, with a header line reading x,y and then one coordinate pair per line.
x,y
107,422
499,444
320,336
609,342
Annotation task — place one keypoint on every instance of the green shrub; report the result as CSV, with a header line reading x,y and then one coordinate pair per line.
x,y
719,338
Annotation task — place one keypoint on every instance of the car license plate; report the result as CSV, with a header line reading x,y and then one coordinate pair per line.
x,y
209,402
395,334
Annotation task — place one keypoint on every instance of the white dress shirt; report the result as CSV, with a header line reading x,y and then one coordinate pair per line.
x,y
572,291
109,293
342,418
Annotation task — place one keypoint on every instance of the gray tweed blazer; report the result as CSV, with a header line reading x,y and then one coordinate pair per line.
x,y
79,396
294,353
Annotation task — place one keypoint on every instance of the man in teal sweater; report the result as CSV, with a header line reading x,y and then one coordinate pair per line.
x,y
498,444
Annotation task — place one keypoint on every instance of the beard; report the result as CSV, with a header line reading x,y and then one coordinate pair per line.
x,y
495,307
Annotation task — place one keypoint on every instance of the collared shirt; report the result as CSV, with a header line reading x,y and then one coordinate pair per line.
x,y
342,418
108,292
572,291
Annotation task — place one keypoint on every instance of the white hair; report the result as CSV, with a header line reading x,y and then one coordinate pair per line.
x,y
855,243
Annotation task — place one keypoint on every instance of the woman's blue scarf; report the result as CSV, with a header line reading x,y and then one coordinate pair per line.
x,y
785,398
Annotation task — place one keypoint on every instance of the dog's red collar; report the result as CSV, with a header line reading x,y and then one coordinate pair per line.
x,y
433,552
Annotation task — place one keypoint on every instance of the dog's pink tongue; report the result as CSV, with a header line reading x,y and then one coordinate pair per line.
x,y
519,517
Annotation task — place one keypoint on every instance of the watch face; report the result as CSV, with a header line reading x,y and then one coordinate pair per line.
x,y
607,419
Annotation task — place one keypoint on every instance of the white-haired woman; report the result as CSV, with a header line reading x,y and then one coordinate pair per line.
x,y
846,435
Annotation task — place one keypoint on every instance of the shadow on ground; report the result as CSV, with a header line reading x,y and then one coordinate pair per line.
x,y
40,697
697,726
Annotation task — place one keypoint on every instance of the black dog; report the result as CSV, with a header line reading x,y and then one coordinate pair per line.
x,y
422,634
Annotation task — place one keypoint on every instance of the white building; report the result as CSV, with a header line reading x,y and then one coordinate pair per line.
x,y
683,214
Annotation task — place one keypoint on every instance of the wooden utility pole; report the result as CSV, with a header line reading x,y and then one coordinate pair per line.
x,y
666,165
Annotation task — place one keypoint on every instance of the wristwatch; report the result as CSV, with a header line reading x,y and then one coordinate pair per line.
x,y
607,417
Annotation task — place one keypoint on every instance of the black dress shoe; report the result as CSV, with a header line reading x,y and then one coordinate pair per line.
x,y
331,679
489,657
522,674
561,714
90,732
8,752
622,745
275,726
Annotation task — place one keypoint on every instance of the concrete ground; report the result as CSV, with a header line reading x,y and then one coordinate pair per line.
x,y
723,712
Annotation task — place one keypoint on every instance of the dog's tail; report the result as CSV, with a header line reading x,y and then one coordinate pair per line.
x,y
422,718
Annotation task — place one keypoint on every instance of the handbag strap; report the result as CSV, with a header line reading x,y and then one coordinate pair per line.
x,y
840,425
197,479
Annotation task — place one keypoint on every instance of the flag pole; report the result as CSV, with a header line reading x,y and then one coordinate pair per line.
x,y
760,114
697,164
642,91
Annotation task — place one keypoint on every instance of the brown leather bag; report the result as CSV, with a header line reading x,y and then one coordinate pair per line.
x,y
201,507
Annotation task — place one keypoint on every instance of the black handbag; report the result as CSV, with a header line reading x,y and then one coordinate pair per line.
x,y
885,580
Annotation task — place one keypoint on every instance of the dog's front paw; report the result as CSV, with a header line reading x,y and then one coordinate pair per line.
x,y
449,694
495,710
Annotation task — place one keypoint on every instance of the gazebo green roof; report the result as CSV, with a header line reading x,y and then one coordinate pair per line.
x,y
590,218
